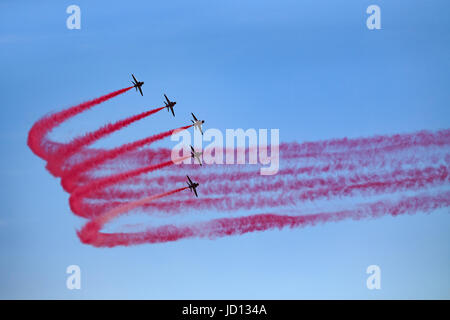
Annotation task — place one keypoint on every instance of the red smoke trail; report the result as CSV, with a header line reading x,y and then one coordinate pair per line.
x,y
70,177
254,183
43,126
91,230
372,144
209,173
65,151
110,215
283,184
99,184
360,163
90,233
338,149
293,195
260,201
370,153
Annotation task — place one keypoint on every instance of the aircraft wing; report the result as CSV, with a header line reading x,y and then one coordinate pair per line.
x,y
140,90
190,181
200,127
134,77
192,149
194,117
195,191
168,101
171,109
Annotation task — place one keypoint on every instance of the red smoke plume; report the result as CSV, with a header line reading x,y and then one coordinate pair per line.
x,y
382,166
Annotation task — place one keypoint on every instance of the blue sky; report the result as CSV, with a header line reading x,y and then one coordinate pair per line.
x,y
310,68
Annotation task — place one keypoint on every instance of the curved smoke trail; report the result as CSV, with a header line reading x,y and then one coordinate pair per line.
x,y
396,168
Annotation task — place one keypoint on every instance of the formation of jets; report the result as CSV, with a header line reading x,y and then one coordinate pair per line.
x,y
196,124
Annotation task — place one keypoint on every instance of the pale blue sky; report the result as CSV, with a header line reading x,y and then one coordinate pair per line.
x,y
310,68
